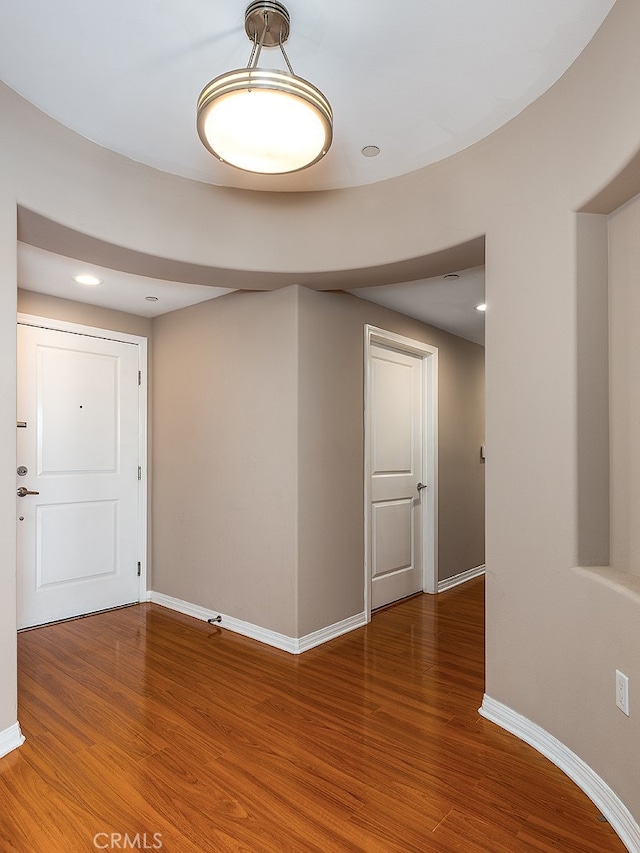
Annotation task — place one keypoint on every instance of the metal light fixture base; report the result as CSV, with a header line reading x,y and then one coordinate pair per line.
x,y
272,14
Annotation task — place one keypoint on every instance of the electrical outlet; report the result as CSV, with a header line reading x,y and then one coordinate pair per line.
x,y
622,692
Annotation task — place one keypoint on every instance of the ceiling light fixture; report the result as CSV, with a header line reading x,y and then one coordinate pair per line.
x,y
87,278
481,307
265,121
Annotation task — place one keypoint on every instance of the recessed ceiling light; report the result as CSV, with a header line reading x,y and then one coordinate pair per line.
x,y
451,276
151,298
87,278
481,307
370,151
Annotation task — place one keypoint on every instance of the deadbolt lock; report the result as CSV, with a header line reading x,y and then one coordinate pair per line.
x,y
22,471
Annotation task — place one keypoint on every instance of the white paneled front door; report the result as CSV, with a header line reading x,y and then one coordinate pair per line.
x,y
78,454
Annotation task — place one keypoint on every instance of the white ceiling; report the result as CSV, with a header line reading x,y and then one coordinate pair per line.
x,y
447,304
421,79
46,272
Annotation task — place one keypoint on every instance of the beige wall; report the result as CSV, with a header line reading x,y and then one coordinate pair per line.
x,y
331,473
41,305
225,455
593,389
8,273
624,318
555,635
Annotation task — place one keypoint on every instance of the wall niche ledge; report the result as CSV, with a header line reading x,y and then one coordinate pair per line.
x,y
623,582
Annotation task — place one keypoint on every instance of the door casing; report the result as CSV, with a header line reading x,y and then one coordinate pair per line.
x,y
429,504
141,342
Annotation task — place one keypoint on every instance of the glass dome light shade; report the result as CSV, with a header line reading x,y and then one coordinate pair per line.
x,y
264,121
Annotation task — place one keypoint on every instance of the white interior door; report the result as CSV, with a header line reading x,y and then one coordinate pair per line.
x,y
78,439
396,447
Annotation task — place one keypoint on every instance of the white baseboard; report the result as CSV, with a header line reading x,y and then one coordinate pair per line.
x,y
293,645
611,806
309,641
10,739
463,577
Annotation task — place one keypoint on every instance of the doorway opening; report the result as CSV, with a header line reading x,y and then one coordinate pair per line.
x,y
401,467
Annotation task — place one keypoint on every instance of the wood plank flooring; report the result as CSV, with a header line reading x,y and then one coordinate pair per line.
x,y
148,728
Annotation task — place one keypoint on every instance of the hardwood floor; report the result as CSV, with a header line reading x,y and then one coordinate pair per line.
x,y
163,730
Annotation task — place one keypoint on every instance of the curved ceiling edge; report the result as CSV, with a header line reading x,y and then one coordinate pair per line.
x,y
42,232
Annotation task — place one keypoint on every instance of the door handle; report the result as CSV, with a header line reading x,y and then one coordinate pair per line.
x,y
22,492
421,486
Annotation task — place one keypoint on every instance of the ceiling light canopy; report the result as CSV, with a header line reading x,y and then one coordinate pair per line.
x,y
265,121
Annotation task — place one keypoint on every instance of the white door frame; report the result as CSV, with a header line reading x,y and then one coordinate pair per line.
x,y
141,343
429,502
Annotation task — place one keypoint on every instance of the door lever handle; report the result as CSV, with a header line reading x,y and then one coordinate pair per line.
x,y
22,492
421,486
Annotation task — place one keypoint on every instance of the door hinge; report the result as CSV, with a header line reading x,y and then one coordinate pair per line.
x,y
139,377
139,472
139,569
